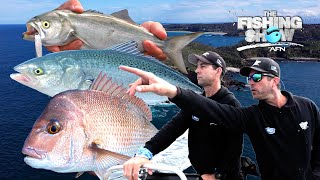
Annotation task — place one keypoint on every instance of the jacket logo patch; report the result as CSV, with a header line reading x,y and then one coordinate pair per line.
x,y
270,130
304,125
195,118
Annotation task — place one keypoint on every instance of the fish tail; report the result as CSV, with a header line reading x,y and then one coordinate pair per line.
x,y
173,49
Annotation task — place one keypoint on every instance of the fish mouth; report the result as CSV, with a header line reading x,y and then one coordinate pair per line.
x,y
32,30
33,153
21,78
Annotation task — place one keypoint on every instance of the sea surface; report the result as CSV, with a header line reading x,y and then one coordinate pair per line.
x,y
20,106
212,40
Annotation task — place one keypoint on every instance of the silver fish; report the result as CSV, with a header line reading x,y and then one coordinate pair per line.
x,y
61,71
100,31
89,130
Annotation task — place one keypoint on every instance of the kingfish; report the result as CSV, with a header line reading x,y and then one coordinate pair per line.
x,y
89,130
100,31
67,70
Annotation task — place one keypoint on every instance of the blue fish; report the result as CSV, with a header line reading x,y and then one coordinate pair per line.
x,y
62,71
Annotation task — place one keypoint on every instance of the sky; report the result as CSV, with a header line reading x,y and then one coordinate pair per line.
x,y
169,11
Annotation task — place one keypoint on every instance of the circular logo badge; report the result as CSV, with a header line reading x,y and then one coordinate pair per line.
x,y
273,35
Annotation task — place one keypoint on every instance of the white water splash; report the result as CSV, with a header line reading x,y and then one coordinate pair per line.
x,y
176,154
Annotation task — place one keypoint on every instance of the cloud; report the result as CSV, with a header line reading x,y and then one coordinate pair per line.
x,y
19,11
187,11
310,11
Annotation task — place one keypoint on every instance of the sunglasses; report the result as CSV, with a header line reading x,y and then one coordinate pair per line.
x,y
256,77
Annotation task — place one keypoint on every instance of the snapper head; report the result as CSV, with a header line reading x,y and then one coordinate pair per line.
x,y
49,74
57,139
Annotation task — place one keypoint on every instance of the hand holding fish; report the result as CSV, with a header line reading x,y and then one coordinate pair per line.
x,y
151,49
148,82
75,6
132,166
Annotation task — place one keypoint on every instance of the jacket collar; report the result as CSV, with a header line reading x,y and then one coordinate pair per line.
x,y
222,92
289,103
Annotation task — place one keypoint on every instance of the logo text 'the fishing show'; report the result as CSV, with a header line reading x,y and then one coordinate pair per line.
x,y
270,30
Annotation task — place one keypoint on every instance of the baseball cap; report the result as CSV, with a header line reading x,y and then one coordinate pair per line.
x,y
208,57
264,65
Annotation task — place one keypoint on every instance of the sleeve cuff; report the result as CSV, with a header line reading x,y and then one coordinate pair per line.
x,y
178,94
144,152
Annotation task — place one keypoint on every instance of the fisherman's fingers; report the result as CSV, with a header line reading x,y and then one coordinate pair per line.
x,y
155,88
156,29
74,45
153,50
136,169
133,87
131,168
145,76
127,169
73,5
150,171
53,48
208,177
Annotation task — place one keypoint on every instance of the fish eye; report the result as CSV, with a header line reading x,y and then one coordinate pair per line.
x,y
53,127
45,24
38,71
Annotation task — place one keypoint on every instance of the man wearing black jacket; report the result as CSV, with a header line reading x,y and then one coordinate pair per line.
x,y
214,151
284,129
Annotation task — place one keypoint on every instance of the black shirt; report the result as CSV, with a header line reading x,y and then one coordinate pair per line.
x,y
286,140
212,147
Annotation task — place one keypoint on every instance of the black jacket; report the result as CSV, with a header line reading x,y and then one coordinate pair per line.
x,y
211,147
286,140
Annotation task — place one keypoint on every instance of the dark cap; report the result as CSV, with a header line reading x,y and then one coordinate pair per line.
x,y
262,64
208,57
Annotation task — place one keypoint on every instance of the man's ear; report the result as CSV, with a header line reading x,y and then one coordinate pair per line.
x,y
276,81
220,70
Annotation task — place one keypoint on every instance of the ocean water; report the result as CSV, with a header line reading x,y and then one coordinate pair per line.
x,y
20,106
212,40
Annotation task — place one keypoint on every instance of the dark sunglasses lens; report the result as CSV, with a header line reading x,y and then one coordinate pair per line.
x,y
255,77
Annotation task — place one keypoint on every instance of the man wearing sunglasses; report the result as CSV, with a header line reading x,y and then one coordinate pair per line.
x,y
214,151
284,129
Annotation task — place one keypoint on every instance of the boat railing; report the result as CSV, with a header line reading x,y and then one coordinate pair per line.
x,y
158,167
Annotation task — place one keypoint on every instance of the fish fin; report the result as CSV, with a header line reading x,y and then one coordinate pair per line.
x,y
88,82
105,159
97,143
102,173
104,155
124,15
105,84
78,174
86,44
92,11
130,47
173,49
